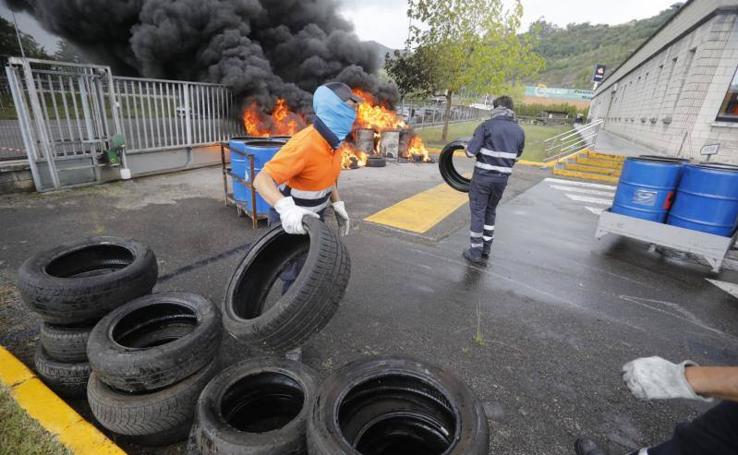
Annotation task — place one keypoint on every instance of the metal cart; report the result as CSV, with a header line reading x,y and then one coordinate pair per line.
x,y
242,208
712,247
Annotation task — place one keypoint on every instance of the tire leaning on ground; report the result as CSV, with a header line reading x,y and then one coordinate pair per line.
x,y
69,380
65,343
376,162
80,282
446,165
392,405
156,418
155,341
310,302
256,407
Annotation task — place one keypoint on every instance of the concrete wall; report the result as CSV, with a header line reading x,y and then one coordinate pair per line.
x,y
15,177
670,100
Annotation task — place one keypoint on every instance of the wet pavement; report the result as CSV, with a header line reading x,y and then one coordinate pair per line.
x,y
540,335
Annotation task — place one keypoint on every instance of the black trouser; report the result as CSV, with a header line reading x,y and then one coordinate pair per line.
x,y
485,193
713,433
292,269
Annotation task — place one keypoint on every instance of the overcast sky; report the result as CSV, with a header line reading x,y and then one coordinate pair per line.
x,y
385,21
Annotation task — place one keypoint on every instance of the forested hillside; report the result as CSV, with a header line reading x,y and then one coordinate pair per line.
x,y
572,51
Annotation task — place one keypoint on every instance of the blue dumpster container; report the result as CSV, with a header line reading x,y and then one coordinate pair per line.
x,y
646,188
263,150
707,199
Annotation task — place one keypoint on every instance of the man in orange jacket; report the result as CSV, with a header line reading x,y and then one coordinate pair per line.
x,y
301,180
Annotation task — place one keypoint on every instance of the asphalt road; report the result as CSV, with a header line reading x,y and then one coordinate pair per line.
x,y
540,335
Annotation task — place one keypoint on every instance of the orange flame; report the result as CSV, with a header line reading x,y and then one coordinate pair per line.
x,y
371,114
416,148
281,122
352,157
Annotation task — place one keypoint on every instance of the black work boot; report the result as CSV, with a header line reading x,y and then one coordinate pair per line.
x,y
476,259
584,446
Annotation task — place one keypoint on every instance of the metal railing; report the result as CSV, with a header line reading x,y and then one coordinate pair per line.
x,y
69,116
163,114
424,114
572,141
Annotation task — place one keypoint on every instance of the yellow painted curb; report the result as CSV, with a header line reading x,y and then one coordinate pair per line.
x,y
51,412
586,176
553,163
533,163
592,169
420,213
606,156
607,164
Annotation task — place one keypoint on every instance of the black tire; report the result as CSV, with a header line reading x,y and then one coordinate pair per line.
x,y
81,282
308,305
65,343
446,165
155,341
392,405
68,380
156,418
256,407
376,162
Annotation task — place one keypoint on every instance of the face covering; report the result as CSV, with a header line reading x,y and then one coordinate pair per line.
x,y
333,112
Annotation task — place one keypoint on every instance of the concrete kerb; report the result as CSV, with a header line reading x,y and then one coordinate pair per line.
x,y
51,412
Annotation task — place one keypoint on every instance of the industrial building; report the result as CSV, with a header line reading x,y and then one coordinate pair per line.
x,y
678,92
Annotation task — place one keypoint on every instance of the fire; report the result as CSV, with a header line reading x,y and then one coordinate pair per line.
x,y
372,114
416,148
351,156
281,122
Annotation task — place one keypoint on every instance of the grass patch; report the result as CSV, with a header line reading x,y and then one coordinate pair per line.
x,y
20,434
534,136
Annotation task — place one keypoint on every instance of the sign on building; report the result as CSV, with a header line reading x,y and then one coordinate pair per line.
x,y
599,74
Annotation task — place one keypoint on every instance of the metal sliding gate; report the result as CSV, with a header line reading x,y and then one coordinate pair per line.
x,y
69,114
66,118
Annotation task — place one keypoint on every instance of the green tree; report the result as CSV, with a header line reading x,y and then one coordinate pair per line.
x,y
411,72
474,44
9,42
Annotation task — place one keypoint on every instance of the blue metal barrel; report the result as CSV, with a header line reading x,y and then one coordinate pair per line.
x,y
647,186
707,199
263,149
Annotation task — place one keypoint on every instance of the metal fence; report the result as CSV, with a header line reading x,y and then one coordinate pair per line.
x,y
424,114
11,141
68,114
161,114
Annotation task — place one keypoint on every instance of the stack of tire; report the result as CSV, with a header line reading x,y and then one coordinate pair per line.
x,y
71,287
370,407
150,360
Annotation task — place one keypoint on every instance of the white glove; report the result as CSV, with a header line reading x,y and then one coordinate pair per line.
x,y
342,217
654,378
291,215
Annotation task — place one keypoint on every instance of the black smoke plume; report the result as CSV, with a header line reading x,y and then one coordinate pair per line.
x,y
261,49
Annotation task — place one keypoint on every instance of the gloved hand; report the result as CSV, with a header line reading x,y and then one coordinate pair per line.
x,y
654,378
291,215
342,217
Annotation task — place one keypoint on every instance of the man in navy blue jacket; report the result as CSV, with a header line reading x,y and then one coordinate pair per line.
x,y
497,144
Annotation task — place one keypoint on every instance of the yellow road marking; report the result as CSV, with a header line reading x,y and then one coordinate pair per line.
x,y
51,412
420,213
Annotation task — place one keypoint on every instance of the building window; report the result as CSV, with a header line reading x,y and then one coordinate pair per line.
x,y
729,108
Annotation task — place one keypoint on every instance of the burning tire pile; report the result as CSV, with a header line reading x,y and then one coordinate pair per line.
x,y
379,132
149,363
